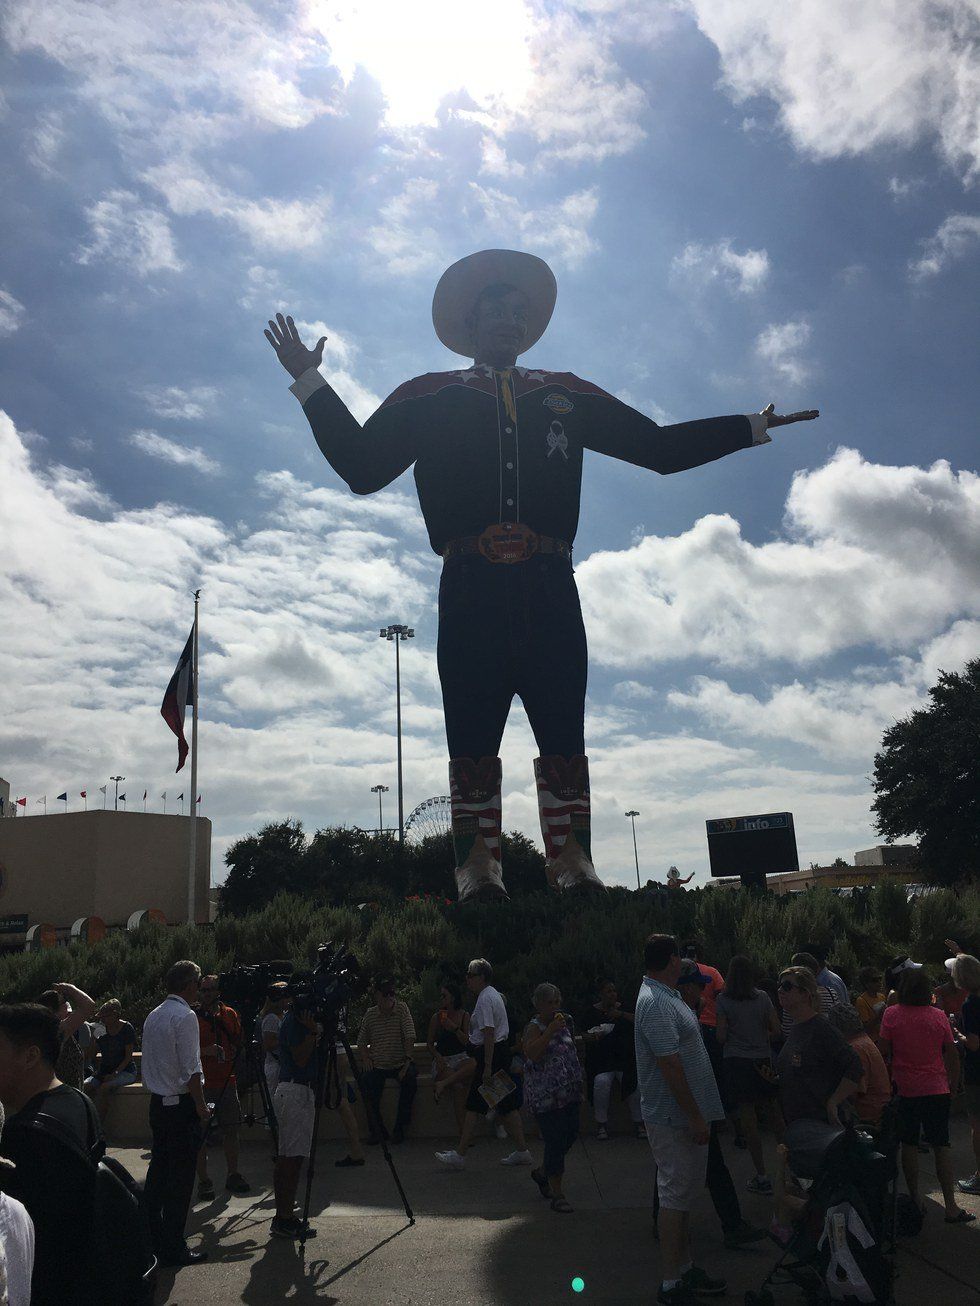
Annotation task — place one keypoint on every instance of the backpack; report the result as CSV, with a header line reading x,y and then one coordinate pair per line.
x,y
121,1265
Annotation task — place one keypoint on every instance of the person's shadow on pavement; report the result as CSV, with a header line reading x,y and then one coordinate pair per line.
x,y
282,1271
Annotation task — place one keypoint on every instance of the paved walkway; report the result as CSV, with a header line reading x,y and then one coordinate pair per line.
x,y
484,1237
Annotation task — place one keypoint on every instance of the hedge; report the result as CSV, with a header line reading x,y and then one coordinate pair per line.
x,y
540,937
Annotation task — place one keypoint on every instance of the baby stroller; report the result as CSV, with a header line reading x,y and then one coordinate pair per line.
x,y
842,1245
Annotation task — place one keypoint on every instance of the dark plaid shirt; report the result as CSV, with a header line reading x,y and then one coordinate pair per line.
x,y
503,446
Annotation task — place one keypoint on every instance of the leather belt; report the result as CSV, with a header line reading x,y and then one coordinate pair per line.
x,y
507,542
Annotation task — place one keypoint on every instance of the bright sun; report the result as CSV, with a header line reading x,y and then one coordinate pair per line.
x,y
421,50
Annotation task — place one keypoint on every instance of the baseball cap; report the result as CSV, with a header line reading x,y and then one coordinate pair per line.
x,y
691,973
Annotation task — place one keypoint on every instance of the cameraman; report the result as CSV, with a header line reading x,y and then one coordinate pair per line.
x,y
269,1023
295,1105
221,1038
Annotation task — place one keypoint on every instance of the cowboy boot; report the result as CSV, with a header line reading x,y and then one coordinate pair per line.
x,y
474,789
566,824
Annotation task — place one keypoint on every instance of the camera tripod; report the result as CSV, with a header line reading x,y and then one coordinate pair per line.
x,y
249,1072
328,1079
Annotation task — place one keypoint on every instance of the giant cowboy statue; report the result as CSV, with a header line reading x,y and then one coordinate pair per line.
x,y
498,451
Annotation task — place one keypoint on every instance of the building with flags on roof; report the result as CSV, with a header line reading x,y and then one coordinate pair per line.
x,y
58,868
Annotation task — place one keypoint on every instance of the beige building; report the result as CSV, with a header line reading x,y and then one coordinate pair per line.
x,y
58,868
894,862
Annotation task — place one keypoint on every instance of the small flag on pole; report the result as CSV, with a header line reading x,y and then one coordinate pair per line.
x,y
122,798
43,800
84,797
102,789
199,800
21,802
179,693
63,798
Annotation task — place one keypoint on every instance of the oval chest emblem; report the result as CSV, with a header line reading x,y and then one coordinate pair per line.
x,y
560,404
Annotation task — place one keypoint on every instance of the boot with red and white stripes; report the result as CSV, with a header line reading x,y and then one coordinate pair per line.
x,y
474,789
566,821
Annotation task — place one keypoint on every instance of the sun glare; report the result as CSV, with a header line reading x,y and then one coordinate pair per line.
x,y
421,50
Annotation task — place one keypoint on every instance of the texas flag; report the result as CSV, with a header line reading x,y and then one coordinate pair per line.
x,y
179,693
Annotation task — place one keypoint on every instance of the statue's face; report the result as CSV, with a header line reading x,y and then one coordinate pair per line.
x,y
499,326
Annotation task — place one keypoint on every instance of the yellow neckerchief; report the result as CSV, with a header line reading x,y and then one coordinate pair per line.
x,y
507,390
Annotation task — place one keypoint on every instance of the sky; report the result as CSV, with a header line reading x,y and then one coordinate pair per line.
x,y
741,203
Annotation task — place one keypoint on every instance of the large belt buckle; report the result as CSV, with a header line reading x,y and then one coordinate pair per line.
x,y
508,542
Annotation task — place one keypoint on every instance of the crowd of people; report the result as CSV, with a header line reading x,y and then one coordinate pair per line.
x,y
698,1053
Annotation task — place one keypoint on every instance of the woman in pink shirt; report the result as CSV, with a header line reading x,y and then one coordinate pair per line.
x,y
917,1040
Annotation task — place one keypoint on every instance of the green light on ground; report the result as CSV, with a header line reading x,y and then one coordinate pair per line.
x,y
578,1285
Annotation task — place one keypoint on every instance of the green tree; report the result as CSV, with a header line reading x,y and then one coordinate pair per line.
x,y
343,864
927,778
262,865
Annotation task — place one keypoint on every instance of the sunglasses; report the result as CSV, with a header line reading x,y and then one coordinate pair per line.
x,y
787,986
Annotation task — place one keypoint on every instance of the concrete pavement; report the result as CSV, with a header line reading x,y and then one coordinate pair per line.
x,y
484,1236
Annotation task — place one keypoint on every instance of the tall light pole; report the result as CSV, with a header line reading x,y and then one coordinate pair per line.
x,y
379,790
117,778
636,855
395,634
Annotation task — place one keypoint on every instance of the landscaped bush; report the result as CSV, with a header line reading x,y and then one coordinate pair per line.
x,y
540,936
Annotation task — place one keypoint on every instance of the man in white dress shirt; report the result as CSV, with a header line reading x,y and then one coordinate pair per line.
x,y
172,1072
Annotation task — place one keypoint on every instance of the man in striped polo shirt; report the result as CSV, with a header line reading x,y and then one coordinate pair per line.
x,y
384,1048
679,1098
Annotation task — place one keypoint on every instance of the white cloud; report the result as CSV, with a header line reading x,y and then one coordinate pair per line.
x,y
720,263
48,138
852,78
279,224
151,72
954,239
12,313
840,718
581,105
125,230
298,693
264,290
837,718
903,188
560,230
405,238
873,554
779,347
172,401
339,359
169,451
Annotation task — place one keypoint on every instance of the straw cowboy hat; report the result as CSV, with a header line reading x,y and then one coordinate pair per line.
x,y
460,285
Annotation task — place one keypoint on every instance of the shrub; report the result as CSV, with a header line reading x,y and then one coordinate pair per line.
x,y
537,937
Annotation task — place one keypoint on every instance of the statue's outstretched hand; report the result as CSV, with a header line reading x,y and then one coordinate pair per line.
x,y
773,418
293,354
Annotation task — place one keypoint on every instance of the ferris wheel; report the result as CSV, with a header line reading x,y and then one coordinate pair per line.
x,y
430,819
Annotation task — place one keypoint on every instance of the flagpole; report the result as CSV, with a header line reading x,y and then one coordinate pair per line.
x,y
192,852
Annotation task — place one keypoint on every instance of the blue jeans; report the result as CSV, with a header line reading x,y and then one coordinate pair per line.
x,y
506,629
559,1130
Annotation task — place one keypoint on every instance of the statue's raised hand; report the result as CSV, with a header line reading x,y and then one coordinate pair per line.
x,y
773,418
293,354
